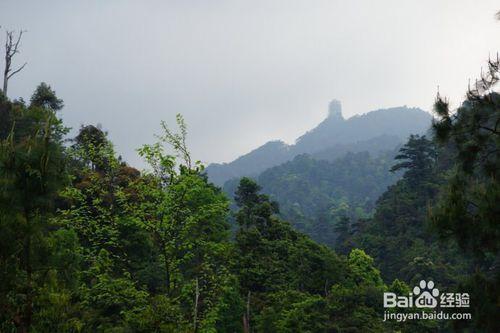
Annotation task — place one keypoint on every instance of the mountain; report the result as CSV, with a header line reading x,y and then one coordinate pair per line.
x,y
268,155
375,131
334,130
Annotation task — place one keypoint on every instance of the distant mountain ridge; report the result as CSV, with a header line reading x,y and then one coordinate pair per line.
x,y
375,131
266,156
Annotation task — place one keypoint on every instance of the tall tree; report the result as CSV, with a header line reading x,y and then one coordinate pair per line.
x,y
417,157
12,44
32,171
188,219
469,209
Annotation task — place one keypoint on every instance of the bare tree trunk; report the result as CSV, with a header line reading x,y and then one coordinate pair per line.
x,y
195,315
246,316
5,79
11,48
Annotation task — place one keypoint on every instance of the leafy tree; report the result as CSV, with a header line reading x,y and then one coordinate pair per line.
x,y
45,97
356,304
32,171
109,300
189,224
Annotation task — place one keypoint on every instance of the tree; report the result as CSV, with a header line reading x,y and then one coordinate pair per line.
x,y
11,49
188,220
468,210
417,158
91,148
355,304
32,171
344,233
45,97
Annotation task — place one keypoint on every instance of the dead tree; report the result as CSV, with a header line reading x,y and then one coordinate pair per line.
x,y
11,49
196,300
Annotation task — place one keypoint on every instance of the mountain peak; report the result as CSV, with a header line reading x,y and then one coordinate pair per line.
x,y
335,109
374,131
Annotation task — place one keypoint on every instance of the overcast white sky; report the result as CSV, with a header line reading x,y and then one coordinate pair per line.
x,y
244,72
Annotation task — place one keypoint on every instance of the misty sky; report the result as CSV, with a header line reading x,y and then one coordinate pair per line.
x,y
244,72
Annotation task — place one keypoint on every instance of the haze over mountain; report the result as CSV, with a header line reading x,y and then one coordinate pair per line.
x,y
375,131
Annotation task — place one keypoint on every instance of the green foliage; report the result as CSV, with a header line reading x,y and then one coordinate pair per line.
x,y
357,302
362,269
468,211
314,195
293,311
45,97
32,171
292,283
417,156
107,299
92,150
398,236
188,222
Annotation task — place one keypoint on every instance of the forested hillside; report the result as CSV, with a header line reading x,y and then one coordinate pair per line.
x,y
314,195
90,244
401,218
376,132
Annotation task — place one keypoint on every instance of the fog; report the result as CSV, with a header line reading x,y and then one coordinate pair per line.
x,y
244,72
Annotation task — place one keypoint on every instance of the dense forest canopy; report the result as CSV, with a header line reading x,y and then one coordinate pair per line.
x,y
314,195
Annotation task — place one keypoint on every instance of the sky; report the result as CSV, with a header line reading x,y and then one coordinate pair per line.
x,y
244,72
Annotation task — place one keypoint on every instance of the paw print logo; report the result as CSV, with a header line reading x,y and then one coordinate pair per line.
x,y
426,295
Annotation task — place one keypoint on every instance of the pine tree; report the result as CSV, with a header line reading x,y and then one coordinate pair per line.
x,y
469,210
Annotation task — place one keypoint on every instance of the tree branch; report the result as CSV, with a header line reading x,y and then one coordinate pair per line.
x,y
16,71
